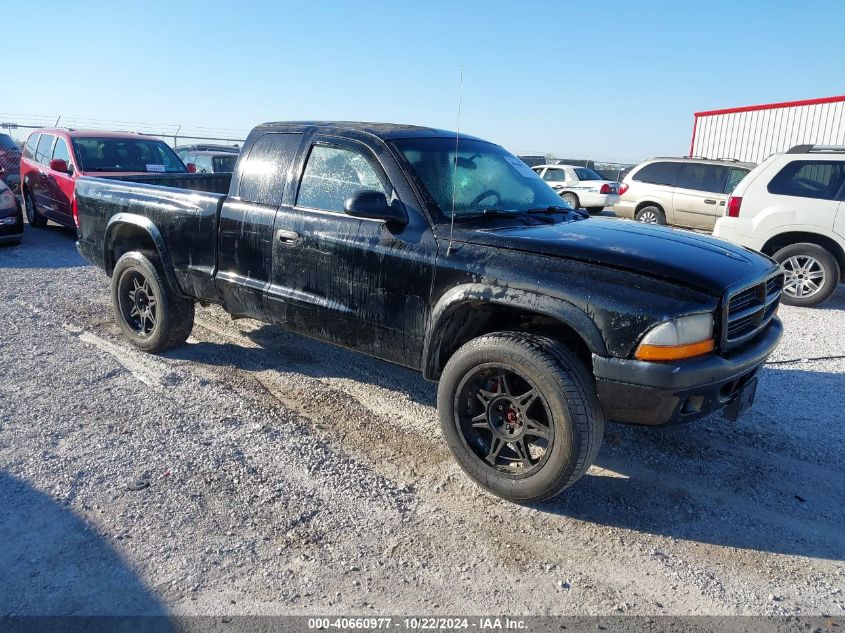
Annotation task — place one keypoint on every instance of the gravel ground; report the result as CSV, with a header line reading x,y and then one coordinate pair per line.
x,y
254,471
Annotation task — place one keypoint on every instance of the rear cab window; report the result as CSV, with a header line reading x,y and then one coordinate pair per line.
x,y
819,179
658,173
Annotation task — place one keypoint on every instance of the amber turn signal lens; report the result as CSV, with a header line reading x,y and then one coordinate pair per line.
x,y
674,352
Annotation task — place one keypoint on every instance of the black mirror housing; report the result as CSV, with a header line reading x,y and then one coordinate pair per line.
x,y
373,204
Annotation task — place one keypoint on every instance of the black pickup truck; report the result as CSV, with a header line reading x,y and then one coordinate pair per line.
x,y
450,256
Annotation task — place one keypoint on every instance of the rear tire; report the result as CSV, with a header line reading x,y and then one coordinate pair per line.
x,y
571,199
811,274
34,218
533,436
153,316
650,215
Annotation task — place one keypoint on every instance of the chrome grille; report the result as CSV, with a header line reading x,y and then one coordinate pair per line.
x,y
749,309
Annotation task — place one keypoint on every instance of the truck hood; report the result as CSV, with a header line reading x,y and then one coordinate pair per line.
x,y
683,257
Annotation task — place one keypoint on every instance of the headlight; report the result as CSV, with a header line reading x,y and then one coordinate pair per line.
x,y
7,199
684,337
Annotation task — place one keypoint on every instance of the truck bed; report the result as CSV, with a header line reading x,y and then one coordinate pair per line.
x,y
182,221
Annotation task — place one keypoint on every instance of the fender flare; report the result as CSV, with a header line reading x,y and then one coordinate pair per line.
x,y
146,225
559,309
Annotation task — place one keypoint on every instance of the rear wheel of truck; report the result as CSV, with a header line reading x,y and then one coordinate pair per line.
x,y
151,314
520,413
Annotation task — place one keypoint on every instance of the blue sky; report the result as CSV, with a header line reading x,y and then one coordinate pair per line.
x,y
608,80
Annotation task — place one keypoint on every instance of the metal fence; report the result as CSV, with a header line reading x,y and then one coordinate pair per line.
x,y
19,127
610,170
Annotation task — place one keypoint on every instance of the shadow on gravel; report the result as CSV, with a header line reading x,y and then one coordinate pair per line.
x,y
48,247
284,351
772,482
53,564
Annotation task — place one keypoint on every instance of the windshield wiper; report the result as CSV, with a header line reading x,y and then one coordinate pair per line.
x,y
556,209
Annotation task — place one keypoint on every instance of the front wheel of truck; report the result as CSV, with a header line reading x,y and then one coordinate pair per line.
x,y
151,314
520,413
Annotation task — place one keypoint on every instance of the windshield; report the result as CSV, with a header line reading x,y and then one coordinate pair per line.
x,y
585,173
126,154
488,178
223,164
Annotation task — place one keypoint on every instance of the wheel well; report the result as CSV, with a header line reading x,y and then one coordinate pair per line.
x,y
643,205
125,238
785,239
473,319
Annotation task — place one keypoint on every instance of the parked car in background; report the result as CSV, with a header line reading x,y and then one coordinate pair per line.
x,y
792,207
689,192
581,187
11,216
10,162
53,159
183,150
207,162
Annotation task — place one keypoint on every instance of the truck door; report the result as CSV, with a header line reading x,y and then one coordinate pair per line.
x,y
352,281
245,238
699,195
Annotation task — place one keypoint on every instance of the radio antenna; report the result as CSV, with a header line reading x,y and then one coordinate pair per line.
x,y
455,167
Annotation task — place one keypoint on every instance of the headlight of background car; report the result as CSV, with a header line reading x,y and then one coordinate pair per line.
x,y
7,199
679,338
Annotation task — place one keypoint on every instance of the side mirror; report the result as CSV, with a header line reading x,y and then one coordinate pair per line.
x,y
373,204
59,164
192,169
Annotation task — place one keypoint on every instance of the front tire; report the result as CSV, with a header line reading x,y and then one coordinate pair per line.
x,y
34,218
811,274
151,314
520,414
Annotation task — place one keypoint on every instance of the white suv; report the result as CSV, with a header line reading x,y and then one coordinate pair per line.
x,y
791,208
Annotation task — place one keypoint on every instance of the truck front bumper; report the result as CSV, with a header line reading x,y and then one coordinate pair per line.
x,y
641,392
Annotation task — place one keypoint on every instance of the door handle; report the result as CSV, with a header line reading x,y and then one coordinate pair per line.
x,y
708,201
287,237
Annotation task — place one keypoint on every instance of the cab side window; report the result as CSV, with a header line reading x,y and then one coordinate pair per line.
x,y
263,173
333,174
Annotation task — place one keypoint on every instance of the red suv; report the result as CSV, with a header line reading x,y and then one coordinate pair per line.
x,y
53,159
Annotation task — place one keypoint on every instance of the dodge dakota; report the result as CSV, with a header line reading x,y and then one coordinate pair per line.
x,y
448,255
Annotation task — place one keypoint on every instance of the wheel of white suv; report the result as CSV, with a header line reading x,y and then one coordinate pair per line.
x,y
811,274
